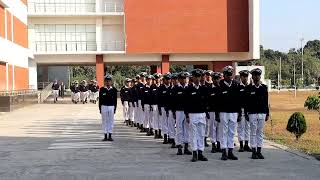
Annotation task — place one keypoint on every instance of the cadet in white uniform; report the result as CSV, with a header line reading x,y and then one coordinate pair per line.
x,y
243,122
125,98
195,111
55,91
229,109
107,107
258,111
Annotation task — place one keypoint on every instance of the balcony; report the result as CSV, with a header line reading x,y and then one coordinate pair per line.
x,y
63,47
112,7
61,8
113,45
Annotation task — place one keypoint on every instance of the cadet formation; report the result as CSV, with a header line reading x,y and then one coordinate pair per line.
x,y
186,110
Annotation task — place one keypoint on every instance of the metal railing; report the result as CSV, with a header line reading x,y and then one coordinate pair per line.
x,y
59,46
113,45
66,7
18,92
45,93
42,85
112,7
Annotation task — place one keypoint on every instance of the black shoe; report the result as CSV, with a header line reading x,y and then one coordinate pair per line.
x,y
218,147
241,149
260,156
195,156
186,149
224,156
247,147
159,134
254,154
127,122
110,138
201,157
138,126
151,132
179,150
231,155
156,134
205,142
170,141
165,139
214,149
105,137
135,124
173,144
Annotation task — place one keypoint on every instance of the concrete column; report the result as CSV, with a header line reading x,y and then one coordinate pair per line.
x,y
98,5
33,82
165,65
7,76
99,32
100,70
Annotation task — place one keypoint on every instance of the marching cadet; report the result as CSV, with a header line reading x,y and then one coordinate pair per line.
x,y
163,100
135,91
228,108
172,114
94,92
207,82
83,91
140,87
154,104
195,111
213,91
132,103
76,93
125,97
89,90
258,111
107,107
243,122
55,90
72,91
146,103
178,99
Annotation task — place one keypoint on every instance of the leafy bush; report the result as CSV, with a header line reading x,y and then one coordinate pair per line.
x,y
297,124
312,103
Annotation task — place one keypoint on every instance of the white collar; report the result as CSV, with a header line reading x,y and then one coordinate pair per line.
x,y
108,88
197,87
255,85
126,86
241,83
147,86
167,86
226,83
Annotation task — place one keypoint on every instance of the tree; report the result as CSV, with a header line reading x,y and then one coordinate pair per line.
x,y
313,103
297,124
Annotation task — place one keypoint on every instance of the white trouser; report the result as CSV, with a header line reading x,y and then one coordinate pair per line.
x,y
84,96
243,129
55,94
207,130
93,96
72,96
256,125
171,125
131,111
141,113
197,130
107,114
136,113
147,118
228,125
76,97
89,95
125,110
182,131
213,131
155,117
164,119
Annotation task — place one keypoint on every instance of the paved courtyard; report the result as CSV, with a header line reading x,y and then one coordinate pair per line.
x,y
63,142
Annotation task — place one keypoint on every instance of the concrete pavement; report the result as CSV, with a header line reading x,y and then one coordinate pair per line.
x,y
63,141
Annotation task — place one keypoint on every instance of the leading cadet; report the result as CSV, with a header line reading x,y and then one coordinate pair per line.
x,y
140,87
107,107
94,92
229,109
195,111
258,111
55,90
243,121
146,103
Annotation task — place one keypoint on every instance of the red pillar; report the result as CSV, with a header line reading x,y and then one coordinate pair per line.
x,y
100,70
158,69
219,65
165,65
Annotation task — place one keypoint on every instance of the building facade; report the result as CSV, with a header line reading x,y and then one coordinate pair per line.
x,y
14,53
150,32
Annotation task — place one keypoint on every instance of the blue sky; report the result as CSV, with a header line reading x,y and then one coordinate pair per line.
x,y
284,22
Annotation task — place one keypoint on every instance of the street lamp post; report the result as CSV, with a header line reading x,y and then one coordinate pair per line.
x,y
302,39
